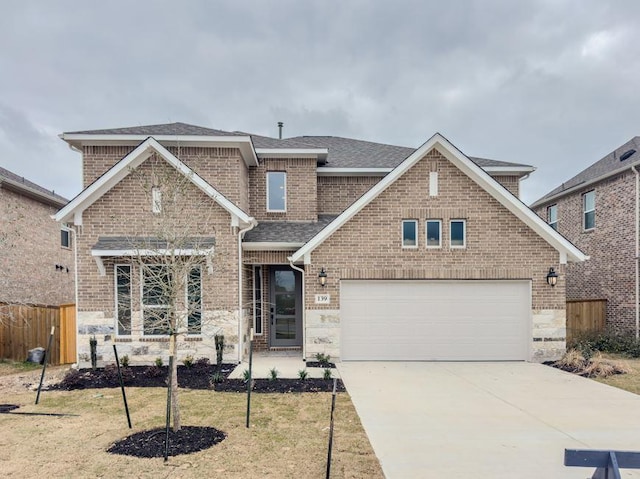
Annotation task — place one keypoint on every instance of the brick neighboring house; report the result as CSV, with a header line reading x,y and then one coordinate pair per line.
x,y
597,211
36,257
350,248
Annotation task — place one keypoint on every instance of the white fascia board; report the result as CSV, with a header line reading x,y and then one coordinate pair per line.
x,y
270,246
584,184
509,170
328,171
476,173
100,253
292,152
243,143
118,172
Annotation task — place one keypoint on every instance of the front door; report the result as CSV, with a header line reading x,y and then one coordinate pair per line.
x,y
285,307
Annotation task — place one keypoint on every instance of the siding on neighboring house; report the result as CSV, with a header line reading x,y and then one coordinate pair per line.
x,y
610,271
30,249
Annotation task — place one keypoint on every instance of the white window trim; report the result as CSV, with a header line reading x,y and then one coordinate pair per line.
x,y
426,236
156,200
70,235
464,234
284,210
415,222
585,211
186,302
255,319
115,297
151,306
433,183
552,223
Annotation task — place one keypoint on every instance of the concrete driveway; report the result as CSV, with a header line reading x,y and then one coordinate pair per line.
x,y
487,420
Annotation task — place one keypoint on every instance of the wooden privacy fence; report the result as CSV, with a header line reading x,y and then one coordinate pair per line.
x,y
586,316
26,327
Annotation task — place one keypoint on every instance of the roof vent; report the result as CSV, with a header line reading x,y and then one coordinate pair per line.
x,y
280,125
627,154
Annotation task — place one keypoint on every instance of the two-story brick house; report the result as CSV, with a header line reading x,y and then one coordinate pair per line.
x,y
597,210
323,244
36,253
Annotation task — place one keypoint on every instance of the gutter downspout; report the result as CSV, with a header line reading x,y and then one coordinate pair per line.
x,y
633,168
240,315
304,312
75,287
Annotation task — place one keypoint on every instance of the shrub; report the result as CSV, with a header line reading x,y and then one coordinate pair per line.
x,y
202,362
323,359
245,375
124,361
572,361
93,346
159,362
219,341
273,374
327,373
188,361
589,343
302,374
218,377
599,367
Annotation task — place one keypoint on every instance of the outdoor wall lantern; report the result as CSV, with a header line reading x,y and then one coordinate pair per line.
x,y
552,277
322,277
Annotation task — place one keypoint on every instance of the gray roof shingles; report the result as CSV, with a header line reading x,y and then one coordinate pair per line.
x,y
4,173
608,164
287,232
343,152
115,243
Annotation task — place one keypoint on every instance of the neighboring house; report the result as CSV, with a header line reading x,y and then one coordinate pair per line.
x,y
597,211
350,248
36,254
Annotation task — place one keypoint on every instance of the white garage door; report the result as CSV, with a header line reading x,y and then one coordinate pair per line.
x,y
435,320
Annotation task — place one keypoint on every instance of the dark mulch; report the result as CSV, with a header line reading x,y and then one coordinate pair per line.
x,y
281,386
5,408
152,443
197,376
316,364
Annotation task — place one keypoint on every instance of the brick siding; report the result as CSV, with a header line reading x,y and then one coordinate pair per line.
x,y
29,250
610,272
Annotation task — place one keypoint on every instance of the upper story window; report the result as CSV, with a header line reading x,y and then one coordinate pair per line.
x,y
458,234
589,210
65,238
276,191
434,228
409,233
552,216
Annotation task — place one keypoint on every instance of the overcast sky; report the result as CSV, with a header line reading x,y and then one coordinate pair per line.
x,y
551,83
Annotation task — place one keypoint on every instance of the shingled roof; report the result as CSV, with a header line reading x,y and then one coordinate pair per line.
x,y
287,232
163,129
20,183
600,169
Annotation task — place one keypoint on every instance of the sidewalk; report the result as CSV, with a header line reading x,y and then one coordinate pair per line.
x,y
288,364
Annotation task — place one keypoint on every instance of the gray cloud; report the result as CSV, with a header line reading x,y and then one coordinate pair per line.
x,y
551,83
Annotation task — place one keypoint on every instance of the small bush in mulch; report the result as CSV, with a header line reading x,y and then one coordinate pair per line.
x,y
151,443
280,385
595,366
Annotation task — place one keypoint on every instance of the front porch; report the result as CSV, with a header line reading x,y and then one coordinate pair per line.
x,y
287,363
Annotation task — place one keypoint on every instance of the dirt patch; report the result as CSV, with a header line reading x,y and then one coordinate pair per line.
x,y
187,440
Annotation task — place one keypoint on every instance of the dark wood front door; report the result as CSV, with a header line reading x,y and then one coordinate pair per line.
x,y
285,307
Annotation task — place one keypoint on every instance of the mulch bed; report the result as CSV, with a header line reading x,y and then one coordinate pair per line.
x,y
151,443
194,377
316,364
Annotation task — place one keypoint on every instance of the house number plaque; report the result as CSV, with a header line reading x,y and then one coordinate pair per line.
x,y
323,298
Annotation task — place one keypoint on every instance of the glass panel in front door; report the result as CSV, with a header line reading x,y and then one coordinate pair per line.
x,y
285,305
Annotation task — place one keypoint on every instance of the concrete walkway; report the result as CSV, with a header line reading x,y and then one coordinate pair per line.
x,y
487,420
287,364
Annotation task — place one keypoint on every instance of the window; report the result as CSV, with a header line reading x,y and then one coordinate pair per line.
x,y
552,216
589,209
409,234
156,292
257,300
433,233
277,191
433,183
457,233
123,299
65,238
156,200
194,301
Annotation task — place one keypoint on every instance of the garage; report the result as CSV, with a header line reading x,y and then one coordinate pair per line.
x,y
439,320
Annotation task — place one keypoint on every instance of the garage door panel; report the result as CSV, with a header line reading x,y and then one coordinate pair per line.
x,y
435,320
